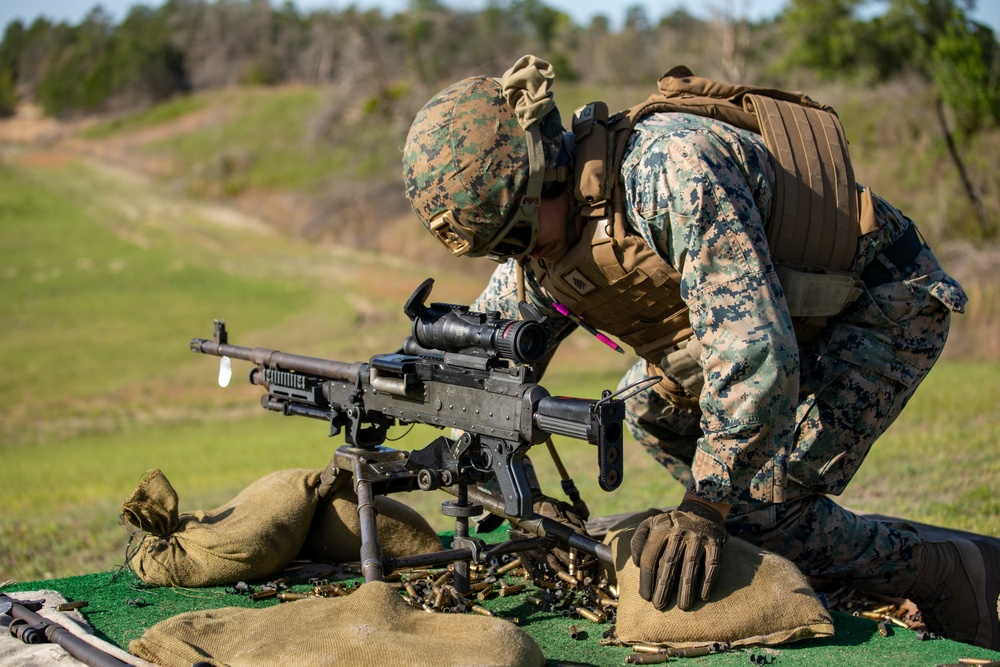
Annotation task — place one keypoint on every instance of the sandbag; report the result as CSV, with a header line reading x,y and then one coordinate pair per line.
x,y
335,534
372,626
759,598
254,535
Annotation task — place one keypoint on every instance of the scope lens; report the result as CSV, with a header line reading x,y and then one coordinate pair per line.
x,y
527,341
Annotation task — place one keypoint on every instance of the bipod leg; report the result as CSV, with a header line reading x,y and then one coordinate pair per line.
x,y
371,552
462,510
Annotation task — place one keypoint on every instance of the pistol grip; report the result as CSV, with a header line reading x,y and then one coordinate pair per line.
x,y
507,463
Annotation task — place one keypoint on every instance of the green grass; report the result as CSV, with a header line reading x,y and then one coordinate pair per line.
x,y
259,138
105,277
151,117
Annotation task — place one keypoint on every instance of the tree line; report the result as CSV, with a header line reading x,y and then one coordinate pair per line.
x,y
183,46
187,45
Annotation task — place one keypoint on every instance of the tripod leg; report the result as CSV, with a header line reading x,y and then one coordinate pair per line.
x,y
371,552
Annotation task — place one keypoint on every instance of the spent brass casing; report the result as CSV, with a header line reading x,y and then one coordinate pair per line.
x,y
482,611
439,596
896,621
883,629
647,658
290,597
648,648
694,652
511,590
69,606
565,576
573,632
512,565
264,593
535,600
591,615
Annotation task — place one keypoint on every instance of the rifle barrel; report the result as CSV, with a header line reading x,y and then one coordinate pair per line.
x,y
262,356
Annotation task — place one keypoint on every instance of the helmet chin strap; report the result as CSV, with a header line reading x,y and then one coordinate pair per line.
x,y
527,212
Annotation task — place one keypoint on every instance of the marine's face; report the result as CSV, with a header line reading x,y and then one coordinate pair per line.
x,y
553,227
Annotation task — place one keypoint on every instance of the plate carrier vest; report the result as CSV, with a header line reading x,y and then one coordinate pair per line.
x,y
618,284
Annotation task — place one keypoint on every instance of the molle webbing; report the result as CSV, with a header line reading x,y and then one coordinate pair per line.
x,y
616,282
814,220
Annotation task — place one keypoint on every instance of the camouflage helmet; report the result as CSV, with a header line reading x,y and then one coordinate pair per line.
x,y
468,169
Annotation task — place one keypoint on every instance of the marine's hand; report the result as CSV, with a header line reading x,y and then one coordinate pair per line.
x,y
675,549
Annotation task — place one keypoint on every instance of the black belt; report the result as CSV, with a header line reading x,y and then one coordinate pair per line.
x,y
899,253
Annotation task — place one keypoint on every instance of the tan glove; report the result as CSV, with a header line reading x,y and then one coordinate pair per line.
x,y
673,549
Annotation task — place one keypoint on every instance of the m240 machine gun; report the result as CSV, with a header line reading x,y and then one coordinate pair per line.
x,y
460,370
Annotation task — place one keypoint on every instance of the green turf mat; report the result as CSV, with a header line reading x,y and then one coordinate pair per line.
x,y
120,611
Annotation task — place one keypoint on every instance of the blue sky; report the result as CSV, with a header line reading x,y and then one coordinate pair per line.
x,y
73,11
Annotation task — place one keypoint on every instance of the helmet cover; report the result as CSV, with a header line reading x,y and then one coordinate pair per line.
x,y
465,163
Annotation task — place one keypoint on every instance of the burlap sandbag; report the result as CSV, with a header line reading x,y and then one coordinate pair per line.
x,y
372,626
254,535
335,534
758,598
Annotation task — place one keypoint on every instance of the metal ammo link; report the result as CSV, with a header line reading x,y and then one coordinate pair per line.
x,y
900,253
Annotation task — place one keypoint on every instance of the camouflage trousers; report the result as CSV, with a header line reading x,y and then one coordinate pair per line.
x,y
855,378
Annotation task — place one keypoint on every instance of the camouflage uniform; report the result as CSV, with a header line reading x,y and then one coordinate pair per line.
x,y
781,422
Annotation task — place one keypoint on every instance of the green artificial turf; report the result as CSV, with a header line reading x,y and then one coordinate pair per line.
x,y
120,609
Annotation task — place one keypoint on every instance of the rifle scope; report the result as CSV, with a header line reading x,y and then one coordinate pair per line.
x,y
451,328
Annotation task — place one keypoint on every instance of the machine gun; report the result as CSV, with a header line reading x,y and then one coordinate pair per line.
x,y
461,370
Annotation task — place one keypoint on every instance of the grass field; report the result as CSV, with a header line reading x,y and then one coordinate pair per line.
x,y
104,278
